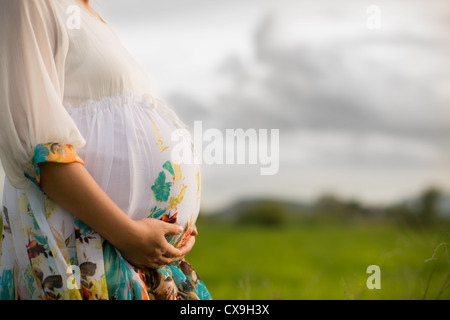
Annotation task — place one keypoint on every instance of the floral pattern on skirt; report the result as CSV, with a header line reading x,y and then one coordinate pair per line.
x,y
103,272
48,254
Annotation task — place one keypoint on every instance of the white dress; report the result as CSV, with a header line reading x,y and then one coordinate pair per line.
x,y
75,94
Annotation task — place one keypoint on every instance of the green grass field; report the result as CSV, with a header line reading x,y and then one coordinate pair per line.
x,y
321,261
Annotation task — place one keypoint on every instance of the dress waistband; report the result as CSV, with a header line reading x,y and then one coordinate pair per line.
x,y
124,100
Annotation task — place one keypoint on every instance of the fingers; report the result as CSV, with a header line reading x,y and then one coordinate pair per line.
x,y
172,229
171,261
188,246
170,251
163,259
194,231
161,252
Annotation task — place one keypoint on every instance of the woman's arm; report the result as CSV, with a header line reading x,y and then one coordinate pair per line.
x,y
141,242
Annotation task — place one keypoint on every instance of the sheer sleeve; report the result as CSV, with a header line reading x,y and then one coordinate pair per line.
x,y
33,47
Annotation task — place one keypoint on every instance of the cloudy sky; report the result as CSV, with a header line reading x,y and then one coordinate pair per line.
x,y
359,90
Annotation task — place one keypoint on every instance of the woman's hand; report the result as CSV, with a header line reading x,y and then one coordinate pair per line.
x,y
141,242
145,244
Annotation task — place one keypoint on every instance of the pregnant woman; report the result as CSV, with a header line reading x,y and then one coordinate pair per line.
x,y
96,204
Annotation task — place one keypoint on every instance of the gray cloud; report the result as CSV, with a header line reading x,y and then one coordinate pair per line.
x,y
363,112
349,104
322,88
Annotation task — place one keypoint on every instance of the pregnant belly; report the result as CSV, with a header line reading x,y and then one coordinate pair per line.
x,y
130,153
175,188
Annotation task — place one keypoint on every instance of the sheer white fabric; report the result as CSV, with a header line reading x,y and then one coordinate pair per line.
x,y
47,68
129,140
33,62
82,87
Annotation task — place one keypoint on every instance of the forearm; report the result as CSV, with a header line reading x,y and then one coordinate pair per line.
x,y
141,242
72,187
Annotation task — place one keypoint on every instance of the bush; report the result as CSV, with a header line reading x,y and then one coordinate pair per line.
x,y
266,213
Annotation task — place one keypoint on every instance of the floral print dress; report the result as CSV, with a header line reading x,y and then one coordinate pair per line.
x,y
76,95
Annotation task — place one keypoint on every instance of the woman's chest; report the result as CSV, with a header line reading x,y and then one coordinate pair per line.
x,y
97,61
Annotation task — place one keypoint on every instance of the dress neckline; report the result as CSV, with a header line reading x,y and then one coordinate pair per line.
x,y
98,18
